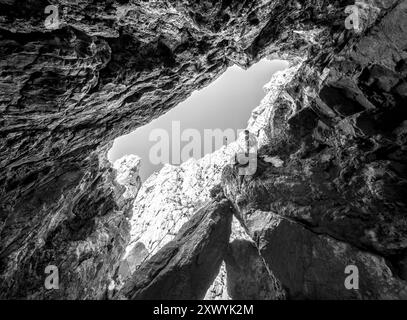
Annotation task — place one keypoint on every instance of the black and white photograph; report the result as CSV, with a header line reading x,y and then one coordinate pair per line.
x,y
224,152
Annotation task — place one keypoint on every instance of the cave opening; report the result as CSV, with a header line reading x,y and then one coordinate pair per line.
x,y
225,105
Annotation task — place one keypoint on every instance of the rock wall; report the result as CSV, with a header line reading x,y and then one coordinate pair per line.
x,y
332,158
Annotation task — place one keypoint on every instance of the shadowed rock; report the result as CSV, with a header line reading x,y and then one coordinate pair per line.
x,y
340,184
109,68
186,266
247,275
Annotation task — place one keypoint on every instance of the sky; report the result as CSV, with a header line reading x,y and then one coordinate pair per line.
x,y
225,103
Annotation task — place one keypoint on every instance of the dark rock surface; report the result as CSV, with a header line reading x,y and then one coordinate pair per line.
x,y
85,239
247,275
340,133
186,266
112,66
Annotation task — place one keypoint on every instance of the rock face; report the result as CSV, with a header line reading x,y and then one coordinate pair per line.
x,y
84,239
312,266
127,174
331,164
247,274
186,266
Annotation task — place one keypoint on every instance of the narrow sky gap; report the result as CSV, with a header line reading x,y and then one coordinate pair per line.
x,y
225,103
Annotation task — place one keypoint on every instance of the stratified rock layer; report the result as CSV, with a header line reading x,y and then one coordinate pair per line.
x,y
312,266
186,266
247,274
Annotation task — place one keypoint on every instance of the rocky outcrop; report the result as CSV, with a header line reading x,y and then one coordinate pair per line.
x,y
186,266
332,136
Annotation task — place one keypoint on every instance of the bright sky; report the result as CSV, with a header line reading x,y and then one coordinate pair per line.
x,y
225,103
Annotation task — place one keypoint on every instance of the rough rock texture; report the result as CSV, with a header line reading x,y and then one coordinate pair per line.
x,y
169,198
218,289
85,239
110,67
186,266
247,274
312,266
339,132
165,202
332,140
127,174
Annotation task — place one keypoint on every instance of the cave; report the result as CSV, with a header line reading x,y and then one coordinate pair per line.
x,y
209,119
318,210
